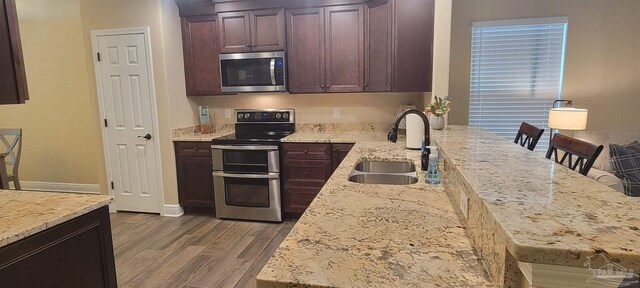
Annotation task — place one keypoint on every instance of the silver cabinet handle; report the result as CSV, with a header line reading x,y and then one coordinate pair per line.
x,y
250,176
255,147
273,71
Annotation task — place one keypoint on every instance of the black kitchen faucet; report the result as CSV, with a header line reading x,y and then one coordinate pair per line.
x,y
393,135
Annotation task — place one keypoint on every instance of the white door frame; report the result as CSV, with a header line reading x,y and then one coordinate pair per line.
x,y
154,115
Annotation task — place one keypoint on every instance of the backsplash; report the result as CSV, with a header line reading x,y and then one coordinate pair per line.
x,y
195,129
343,127
306,128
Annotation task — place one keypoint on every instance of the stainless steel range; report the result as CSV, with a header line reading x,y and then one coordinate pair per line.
x,y
246,165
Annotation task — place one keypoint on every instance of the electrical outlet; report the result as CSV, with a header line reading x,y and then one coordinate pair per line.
x,y
464,204
336,112
227,113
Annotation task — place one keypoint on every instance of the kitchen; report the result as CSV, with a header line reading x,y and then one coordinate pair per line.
x,y
175,110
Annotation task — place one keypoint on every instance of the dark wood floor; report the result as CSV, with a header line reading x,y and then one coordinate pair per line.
x,y
192,250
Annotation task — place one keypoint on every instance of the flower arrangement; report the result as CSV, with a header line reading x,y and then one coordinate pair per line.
x,y
439,106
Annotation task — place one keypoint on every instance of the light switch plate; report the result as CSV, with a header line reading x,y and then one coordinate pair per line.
x,y
336,112
464,204
227,113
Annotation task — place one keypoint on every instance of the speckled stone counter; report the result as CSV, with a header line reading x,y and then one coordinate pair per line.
x,y
524,207
200,137
24,213
363,235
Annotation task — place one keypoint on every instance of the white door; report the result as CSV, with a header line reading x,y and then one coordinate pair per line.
x,y
129,118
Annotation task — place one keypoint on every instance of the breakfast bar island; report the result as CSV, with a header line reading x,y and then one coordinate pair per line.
x,y
52,239
503,217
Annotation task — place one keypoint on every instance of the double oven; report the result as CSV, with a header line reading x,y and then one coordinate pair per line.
x,y
246,165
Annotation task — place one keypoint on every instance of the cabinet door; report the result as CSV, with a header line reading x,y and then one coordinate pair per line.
x,y
297,199
13,80
54,257
201,62
344,48
378,38
413,50
339,152
305,42
195,181
235,35
267,30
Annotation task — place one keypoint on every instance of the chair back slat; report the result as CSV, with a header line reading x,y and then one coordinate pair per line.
x,y
528,136
12,145
580,154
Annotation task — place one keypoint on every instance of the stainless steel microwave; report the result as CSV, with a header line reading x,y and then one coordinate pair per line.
x,y
253,72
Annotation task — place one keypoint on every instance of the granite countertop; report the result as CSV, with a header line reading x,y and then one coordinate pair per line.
x,y
200,137
24,213
363,235
547,213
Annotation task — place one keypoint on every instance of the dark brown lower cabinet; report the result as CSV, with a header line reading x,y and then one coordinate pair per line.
x,y
195,179
75,254
339,152
306,168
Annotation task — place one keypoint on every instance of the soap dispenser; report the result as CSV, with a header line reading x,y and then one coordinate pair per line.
x,y
432,176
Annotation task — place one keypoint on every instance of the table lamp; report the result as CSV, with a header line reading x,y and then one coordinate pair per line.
x,y
567,118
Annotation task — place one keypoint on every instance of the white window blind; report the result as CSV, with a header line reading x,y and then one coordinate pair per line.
x,y
516,73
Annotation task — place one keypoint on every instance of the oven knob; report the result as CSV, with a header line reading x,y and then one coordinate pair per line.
x,y
278,116
240,115
285,115
246,115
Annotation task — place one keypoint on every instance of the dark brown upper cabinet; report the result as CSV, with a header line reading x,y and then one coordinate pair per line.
x,y
305,42
235,32
247,31
267,30
201,61
326,49
398,45
13,79
378,52
413,45
344,48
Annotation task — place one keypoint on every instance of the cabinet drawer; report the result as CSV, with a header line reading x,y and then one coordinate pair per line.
x,y
306,173
193,149
297,199
308,151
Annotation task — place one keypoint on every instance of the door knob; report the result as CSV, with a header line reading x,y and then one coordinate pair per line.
x,y
148,136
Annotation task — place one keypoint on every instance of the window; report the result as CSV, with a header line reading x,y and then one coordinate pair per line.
x,y
516,73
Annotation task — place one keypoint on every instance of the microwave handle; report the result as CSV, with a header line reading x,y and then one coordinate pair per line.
x,y
248,176
273,71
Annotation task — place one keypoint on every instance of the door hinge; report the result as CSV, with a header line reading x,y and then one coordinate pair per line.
x,y
98,56
112,186
105,123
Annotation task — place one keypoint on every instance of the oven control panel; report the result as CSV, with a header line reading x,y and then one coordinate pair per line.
x,y
265,116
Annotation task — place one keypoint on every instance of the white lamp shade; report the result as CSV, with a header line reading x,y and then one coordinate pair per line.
x,y
568,118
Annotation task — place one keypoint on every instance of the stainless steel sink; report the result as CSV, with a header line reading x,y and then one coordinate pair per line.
x,y
390,179
385,167
384,172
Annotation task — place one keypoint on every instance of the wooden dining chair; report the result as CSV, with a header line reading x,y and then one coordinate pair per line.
x,y
528,135
12,142
580,154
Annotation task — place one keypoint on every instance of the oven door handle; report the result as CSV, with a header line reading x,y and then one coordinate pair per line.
x,y
272,67
251,176
254,147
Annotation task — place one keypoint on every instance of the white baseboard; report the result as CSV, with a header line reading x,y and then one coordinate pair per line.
x,y
172,210
59,187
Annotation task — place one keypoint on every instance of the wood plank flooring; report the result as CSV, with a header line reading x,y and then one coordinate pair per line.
x,y
192,250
